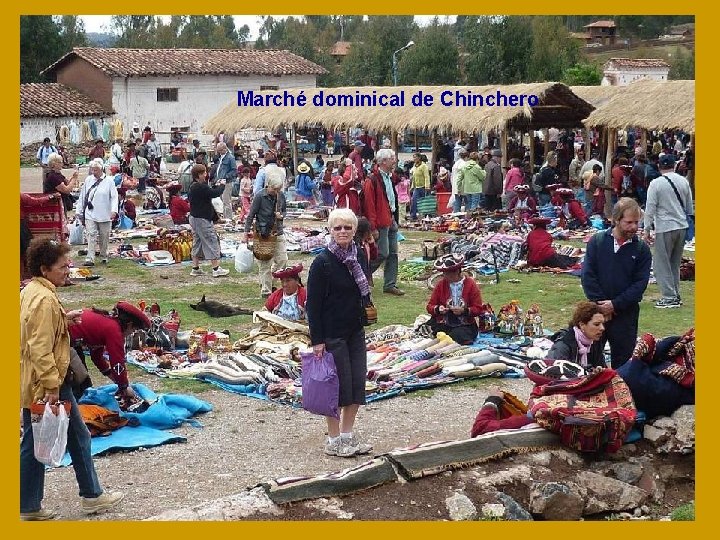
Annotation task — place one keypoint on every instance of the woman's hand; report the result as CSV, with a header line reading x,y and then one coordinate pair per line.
x,y
73,317
459,310
52,396
442,309
319,349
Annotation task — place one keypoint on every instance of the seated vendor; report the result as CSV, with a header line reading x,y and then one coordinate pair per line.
x,y
455,302
580,342
126,207
179,207
555,198
154,199
571,213
540,250
288,302
522,205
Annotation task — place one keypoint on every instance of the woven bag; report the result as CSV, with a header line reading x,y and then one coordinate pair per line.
x,y
264,248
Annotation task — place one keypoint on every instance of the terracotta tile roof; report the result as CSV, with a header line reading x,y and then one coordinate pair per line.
x,y
340,48
634,63
601,24
139,62
57,100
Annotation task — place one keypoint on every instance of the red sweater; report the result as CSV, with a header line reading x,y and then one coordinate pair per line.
x,y
101,333
346,196
179,209
275,298
540,247
470,295
377,206
576,211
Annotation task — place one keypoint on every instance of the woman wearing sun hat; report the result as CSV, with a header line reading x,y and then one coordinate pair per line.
x,y
304,184
288,302
455,302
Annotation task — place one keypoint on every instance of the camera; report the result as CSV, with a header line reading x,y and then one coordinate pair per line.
x,y
90,205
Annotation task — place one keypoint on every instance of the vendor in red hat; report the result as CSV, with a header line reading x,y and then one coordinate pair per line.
x,y
522,205
571,213
103,332
126,208
288,302
540,250
455,302
555,199
179,207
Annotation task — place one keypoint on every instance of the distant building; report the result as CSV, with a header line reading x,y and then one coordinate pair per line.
x,y
685,30
45,108
178,87
340,50
623,71
602,32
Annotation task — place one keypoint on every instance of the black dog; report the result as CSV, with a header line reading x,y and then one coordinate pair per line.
x,y
218,309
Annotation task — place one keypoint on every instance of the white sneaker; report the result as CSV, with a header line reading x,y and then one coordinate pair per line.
x,y
104,502
347,448
220,272
197,272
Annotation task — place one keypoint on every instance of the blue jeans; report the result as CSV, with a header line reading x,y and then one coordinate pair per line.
x,y
473,201
458,202
32,472
418,193
388,254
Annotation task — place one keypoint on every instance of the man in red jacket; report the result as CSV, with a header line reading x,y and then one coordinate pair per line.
x,y
380,206
540,250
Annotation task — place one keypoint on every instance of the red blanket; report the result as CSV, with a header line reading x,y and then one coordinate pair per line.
x,y
46,220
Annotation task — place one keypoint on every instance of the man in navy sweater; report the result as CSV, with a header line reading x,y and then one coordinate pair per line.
x,y
615,275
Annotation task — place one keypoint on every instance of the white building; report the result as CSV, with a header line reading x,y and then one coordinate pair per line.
x,y
178,88
623,71
45,108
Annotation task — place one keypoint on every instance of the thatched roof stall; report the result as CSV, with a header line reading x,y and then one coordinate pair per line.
x,y
650,105
558,107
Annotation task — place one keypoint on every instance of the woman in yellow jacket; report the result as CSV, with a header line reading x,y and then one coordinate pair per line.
x,y
44,361
419,183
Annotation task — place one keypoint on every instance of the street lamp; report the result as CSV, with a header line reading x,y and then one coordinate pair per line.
x,y
394,60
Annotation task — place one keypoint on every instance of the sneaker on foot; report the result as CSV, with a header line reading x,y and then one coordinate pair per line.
x,y
196,272
667,303
332,447
679,300
394,291
362,448
41,515
104,502
346,448
220,272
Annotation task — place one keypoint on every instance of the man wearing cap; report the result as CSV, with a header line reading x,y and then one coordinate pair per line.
x,y
104,332
615,275
382,211
226,170
493,185
540,249
455,302
356,157
669,202
288,302
419,183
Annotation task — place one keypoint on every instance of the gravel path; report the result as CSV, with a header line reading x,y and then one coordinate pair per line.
x,y
245,441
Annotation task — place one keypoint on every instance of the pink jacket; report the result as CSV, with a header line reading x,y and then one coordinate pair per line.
x,y
513,178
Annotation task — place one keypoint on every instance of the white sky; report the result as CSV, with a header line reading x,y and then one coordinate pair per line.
x,y
101,23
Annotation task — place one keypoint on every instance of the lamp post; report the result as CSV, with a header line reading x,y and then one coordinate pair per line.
x,y
394,60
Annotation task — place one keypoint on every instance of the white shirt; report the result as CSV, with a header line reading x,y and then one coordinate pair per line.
x,y
104,198
116,154
459,164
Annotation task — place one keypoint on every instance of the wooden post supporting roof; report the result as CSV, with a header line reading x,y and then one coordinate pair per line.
x,y
293,146
611,138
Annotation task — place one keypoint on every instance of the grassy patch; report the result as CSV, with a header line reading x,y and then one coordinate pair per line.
x,y
183,386
685,512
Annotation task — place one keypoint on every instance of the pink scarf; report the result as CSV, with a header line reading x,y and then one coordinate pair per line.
x,y
584,344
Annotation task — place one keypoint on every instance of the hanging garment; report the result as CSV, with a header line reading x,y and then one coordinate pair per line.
x,y
106,131
118,128
93,128
63,135
74,133
85,132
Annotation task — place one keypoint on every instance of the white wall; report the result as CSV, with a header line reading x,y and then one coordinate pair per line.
x,y
626,76
37,128
199,97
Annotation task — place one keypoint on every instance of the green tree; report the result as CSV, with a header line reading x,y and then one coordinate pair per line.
x,y
582,75
433,59
135,31
40,46
553,50
72,31
370,59
682,64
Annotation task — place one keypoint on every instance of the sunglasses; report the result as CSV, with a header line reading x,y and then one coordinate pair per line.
x,y
342,228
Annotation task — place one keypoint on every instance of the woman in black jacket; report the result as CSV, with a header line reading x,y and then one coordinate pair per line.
x,y
337,293
579,342
202,214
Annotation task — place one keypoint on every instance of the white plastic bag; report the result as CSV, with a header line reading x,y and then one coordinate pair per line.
x,y
244,259
50,436
218,205
451,202
77,233
163,166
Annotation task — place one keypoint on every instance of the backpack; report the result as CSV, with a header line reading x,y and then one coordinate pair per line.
x,y
534,182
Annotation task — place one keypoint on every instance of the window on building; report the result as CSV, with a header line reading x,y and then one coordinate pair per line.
x,y
167,94
269,87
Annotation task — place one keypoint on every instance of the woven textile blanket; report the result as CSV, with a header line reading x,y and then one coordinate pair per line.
x,y
47,220
591,413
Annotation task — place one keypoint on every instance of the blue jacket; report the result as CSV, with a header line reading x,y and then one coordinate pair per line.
x,y
621,277
304,185
227,168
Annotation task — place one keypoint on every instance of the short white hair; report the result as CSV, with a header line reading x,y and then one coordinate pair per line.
x,y
97,162
53,157
274,178
343,214
384,154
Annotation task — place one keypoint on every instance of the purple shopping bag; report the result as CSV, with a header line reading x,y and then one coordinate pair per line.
x,y
320,384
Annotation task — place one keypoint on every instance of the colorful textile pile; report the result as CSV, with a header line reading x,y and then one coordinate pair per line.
x,y
591,413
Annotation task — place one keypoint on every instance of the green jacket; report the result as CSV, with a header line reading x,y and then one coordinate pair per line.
x,y
470,179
